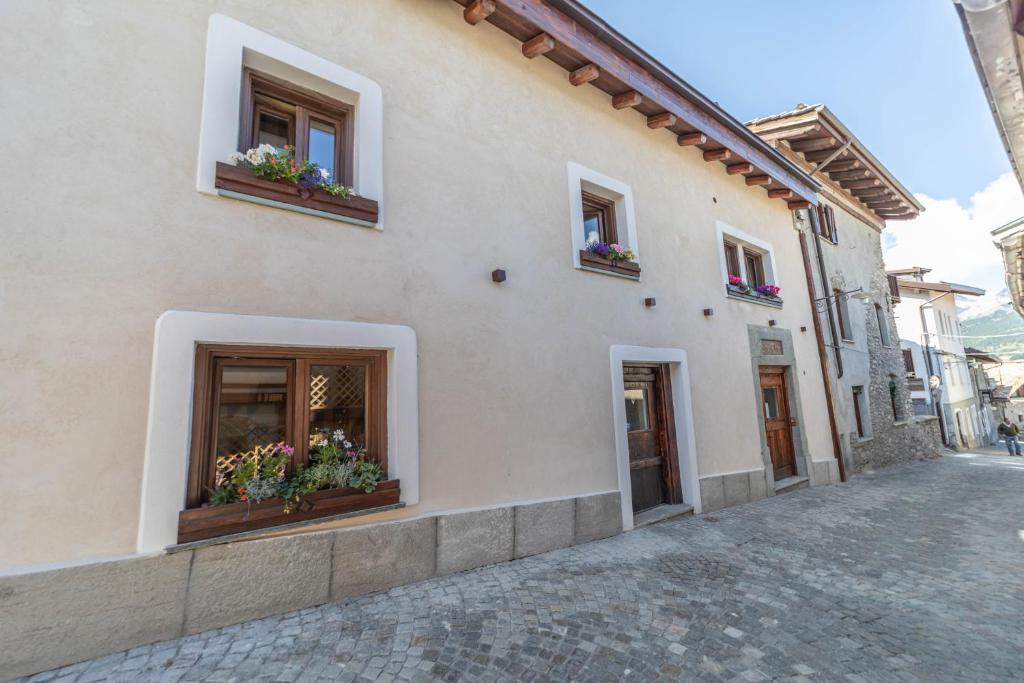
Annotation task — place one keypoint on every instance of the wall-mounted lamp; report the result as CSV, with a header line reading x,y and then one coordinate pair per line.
x,y
650,301
498,275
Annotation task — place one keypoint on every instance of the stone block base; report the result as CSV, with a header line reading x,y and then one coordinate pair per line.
x,y
61,616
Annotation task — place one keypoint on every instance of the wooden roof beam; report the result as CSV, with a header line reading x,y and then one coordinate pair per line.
x,y
780,193
720,154
540,44
478,10
889,204
687,139
584,74
841,165
624,100
859,184
855,174
798,204
820,155
665,119
758,180
743,167
813,144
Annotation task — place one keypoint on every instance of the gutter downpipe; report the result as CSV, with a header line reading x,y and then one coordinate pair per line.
x,y
822,356
928,362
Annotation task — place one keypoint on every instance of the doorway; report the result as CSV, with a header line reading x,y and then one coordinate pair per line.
x,y
650,433
778,424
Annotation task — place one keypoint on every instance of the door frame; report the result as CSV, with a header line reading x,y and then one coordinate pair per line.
x,y
678,370
661,413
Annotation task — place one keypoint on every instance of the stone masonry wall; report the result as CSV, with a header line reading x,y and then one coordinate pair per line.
x,y
894,439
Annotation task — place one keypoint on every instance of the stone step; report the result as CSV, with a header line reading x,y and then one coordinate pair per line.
x,y
790,484
661,513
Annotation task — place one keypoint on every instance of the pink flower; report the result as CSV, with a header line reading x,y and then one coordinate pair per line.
x,y
735,280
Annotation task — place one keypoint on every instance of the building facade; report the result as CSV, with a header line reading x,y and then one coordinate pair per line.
x,y
937,364
515,383
876,424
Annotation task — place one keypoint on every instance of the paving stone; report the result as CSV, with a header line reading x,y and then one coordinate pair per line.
x,y
910,574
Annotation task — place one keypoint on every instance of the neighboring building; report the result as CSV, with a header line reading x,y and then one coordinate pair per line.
x,y
858,195
168,315
991,400
936,360
994,30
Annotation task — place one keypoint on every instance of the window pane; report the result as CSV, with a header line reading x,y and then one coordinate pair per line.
x,y
771,403
252,407
592,227
322,145
272,130
337,400
637,417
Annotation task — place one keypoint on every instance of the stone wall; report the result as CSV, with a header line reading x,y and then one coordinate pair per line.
x,y
898,438
61,616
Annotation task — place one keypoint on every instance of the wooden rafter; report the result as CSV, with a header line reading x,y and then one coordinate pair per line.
x,y
584,74
798,204
813,144
687,139
855,174
758,180
720,154
538,45
780,193
665,119
624,100
743,167
856,184
478,10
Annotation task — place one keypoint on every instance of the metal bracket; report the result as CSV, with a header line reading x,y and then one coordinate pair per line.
x,y
821,303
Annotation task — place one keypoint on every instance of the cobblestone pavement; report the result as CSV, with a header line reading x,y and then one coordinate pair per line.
x,y
911,573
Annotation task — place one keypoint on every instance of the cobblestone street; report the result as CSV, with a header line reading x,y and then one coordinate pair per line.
x,y
911,573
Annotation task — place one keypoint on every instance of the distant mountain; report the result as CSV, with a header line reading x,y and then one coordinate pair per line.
x,y
996,325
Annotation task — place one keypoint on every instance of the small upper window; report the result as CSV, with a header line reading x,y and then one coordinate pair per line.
x,y
747,267
827,223
732,259
598,219
755,268
883,326
908,361
278,113
843,314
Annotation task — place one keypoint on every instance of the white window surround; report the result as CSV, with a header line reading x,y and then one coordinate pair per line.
x,y
230,45
583,178
682,405
743,240
168,433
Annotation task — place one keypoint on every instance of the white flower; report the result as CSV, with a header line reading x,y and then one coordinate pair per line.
x,y
324,173
236,158
347,444
338,436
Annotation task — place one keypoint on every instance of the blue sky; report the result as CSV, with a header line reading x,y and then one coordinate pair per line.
x,y
896,72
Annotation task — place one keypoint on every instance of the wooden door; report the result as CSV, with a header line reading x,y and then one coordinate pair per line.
x,y
650,429
777,423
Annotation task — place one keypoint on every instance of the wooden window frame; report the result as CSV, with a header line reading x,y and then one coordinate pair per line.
x,y
883,326
857,413
732,258
209,357
757,278
908,362
263,92
604,208
827,223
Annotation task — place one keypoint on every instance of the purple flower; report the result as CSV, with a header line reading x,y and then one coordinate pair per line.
x,y
599,248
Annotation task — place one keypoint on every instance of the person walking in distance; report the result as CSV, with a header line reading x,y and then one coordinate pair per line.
x,y
1011,433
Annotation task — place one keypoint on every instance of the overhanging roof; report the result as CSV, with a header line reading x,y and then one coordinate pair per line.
x,y
594,53
1011,246
982,356
993,37
941,287
835,154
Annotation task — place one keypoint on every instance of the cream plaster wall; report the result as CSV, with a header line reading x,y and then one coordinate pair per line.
x,y
107,231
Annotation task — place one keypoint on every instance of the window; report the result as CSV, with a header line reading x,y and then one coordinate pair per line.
x,y
843,314
248,396
749,259
601,213
732,259
754,263
827,223
638,418
859,410
893,400
277,113
883,327
598,219
908,361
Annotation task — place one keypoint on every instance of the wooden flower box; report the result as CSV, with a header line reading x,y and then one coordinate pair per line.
x,y
220,520
239,180
589,259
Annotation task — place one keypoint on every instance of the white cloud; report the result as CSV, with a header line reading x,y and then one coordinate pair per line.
x,y
955,241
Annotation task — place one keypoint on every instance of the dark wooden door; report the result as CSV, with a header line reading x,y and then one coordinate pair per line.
x,y
650,429
777,423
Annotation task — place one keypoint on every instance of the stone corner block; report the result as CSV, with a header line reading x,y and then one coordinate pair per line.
x,y
758,485
736,488
598,516
712,494
381,556
542,527
467,540
62,616
237,582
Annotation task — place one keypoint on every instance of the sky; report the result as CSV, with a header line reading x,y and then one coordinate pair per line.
x,y
896,72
